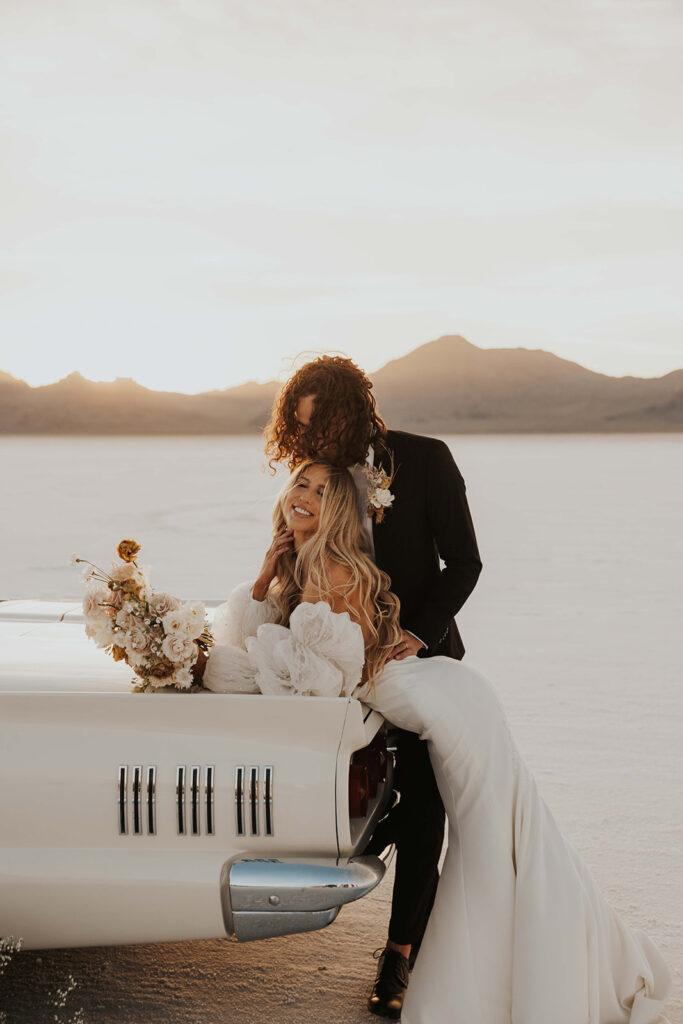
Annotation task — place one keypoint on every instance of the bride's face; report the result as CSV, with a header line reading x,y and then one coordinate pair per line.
x,y
302,503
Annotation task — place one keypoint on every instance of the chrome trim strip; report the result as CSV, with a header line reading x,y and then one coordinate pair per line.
x,y
137,800
151,800
208,799
271,897
239,799
268,798
123,799
253,799
180,798
194,797
252,925
278,886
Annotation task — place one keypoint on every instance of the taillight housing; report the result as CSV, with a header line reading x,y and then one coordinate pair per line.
x,y
367,770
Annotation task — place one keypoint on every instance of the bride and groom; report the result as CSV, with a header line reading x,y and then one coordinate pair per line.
x,y
350,603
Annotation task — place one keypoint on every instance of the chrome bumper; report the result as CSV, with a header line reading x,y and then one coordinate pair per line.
x,y
270,897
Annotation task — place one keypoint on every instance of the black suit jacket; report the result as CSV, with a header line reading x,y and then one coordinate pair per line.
x,y
429,521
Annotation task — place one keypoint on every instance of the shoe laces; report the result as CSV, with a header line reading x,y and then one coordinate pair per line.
x,y
394,980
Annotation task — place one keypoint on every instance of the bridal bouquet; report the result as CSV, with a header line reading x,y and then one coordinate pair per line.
x,y
155,633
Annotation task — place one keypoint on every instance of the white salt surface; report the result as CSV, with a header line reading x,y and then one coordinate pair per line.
x,y
576,618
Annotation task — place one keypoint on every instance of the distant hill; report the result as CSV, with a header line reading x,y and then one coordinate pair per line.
x,y
451,386
75,405
446,386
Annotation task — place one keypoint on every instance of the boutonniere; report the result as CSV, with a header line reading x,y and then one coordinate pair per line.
x,y
379,497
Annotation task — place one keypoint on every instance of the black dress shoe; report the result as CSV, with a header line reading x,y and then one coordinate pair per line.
x,y
390,985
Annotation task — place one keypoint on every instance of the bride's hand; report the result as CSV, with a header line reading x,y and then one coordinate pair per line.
x,y
282,542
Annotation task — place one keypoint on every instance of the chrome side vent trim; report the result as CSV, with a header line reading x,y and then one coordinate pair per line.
x,y
123,800
137,800
268,798
180,798
239,800
151,801
194,796
195,800
208,799
253,799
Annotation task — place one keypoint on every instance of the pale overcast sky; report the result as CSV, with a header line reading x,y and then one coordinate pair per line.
x,y
196,190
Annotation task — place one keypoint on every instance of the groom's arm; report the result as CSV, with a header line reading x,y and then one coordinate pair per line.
x,y
452,529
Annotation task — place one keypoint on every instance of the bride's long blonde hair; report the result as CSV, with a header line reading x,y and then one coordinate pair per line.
x,y
339,540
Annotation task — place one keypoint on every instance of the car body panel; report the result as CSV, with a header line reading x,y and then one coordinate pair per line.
x,y
120,816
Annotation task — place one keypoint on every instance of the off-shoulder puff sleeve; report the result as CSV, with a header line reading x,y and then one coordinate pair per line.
x,y
321,654
241,616
229,669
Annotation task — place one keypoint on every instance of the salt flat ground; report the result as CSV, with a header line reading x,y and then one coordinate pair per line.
x,y
576,618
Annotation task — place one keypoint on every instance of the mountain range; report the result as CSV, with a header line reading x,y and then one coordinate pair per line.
x,y
447,386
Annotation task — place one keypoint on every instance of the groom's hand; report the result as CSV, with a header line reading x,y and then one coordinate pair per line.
x,y
407,645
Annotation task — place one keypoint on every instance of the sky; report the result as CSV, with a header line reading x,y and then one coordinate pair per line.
x,y
195,192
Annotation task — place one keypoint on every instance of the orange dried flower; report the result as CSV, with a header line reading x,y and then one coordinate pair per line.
x,y
118,653
128,550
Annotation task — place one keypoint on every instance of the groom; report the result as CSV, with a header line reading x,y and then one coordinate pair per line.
x,y
327,410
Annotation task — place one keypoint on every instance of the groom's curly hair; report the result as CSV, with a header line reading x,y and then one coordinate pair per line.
x,y
344,423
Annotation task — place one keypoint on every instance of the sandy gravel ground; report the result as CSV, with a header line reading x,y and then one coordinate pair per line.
x,y
320,978
324,976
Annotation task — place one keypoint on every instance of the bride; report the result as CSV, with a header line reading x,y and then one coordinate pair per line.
x,y
519,933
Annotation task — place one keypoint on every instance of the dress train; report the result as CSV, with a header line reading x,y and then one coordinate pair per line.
x,y
520,932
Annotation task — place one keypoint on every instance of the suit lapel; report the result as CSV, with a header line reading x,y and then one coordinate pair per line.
x,y
382,532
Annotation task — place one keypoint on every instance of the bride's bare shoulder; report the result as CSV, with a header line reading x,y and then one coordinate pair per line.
x,y
339,590
340,576
342,594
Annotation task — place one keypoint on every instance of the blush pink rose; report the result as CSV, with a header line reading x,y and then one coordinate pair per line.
x,y
162,604
178,648
138,643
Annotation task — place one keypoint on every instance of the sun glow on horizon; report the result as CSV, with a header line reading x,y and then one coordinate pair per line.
x,y
202,191
38,379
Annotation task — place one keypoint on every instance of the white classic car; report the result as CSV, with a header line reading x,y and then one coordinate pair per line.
x,y
129,818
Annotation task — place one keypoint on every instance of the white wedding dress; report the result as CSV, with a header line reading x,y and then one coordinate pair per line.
x,y
519,932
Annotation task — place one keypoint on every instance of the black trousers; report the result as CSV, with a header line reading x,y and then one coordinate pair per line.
x,y
416,825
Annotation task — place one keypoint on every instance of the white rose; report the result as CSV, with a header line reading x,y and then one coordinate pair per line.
x,y
101,632
179,623
173,622
178,648
95,595
382,498
195,616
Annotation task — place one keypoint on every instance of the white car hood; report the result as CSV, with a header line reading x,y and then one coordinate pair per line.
x,y
43,647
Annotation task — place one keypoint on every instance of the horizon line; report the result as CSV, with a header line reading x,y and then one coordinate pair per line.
x,y
274,380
